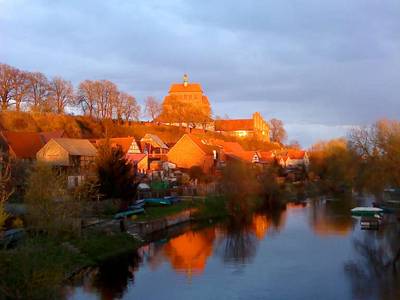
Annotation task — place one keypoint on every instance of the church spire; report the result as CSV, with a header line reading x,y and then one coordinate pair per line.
x,y
185,80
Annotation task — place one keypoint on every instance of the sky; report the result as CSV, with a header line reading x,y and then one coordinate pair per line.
x,y
320,66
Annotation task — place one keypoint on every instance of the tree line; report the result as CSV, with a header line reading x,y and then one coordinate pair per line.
x,y
367,160
32,91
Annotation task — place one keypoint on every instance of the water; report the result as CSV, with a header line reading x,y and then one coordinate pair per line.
x,y
306,251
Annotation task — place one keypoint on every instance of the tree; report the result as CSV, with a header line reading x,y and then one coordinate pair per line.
x,y
115,173
98,98
38,92
378,147
50,207
21,88
334,163
277,131
152,108
86,97
178,110
127,108
61,93
5,190
7,76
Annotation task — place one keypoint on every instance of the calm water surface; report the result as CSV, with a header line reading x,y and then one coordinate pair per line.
x,y
313,250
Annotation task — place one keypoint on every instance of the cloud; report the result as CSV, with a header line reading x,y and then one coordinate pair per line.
x,y
315,62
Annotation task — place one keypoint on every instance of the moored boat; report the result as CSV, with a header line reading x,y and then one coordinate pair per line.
x,y
366,211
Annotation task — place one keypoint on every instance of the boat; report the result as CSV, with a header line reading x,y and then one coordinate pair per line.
x,y
157,201
138,204
128,213
173,199
370,223
366,211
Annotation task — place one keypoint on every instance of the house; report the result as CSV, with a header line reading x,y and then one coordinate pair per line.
x,y
127,144
256,127
139,161
154,147
25,145
192,151
267,157
132,152
76,157
244,156
293,158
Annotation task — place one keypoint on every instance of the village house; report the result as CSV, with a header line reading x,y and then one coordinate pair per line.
x,y
256,127
130,148
154,147
25,145
75,157
192,151
292,158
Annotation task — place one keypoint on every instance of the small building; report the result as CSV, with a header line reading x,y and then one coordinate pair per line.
x,y
139,161
192,151
256,127
75,157
130,148
293,158
25,145
154,147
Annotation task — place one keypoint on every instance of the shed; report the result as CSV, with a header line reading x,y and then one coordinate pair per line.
x,y
66,152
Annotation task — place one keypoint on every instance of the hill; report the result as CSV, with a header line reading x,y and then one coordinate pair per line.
x,y
90,128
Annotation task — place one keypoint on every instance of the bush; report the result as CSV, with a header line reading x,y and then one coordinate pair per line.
x,y
50,208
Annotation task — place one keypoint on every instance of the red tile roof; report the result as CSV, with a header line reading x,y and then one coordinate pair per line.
x,y
124,142
246,156
191,87
203,145
25,145
234,125
227,146
135,158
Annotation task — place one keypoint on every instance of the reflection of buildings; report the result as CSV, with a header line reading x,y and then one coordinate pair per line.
x,y
189,252
325,220
260,225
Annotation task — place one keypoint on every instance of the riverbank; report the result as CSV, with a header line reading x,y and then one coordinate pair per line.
x,y
38,266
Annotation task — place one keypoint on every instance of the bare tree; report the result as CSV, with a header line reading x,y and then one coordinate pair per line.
x,y
61,93
7,74
38,92
278,132
126,107
5,190
86,97
153,107
21,88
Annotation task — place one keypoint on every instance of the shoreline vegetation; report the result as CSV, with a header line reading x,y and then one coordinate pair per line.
x,y
40,265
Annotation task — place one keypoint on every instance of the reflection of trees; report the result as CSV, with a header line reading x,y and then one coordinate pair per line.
x,y
332,217
112,276
375,272
239,243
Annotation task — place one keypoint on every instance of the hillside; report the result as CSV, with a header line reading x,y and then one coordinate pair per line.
x,y
86,127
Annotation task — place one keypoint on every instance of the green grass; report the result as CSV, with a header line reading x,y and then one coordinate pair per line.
x,y
158,212
37,268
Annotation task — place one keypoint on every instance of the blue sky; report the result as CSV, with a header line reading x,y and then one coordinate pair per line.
x,y
320,66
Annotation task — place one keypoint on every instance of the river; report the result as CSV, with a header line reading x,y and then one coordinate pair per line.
x,y
310,250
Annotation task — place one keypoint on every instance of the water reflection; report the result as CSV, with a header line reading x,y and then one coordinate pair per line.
x,y
331,216
323,226
375,272
188,253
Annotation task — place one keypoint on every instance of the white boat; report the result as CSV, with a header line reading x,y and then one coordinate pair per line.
x,y
366,211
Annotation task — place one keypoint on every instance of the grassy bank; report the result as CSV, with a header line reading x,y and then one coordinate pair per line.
x,y
37,268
